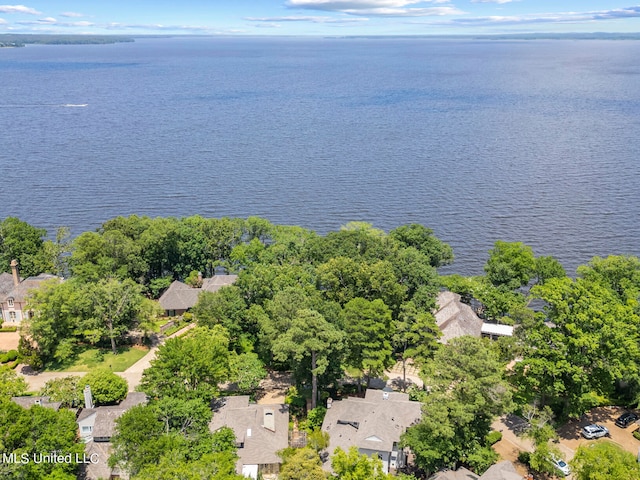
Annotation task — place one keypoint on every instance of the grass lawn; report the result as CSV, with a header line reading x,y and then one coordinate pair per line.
x,y
91,358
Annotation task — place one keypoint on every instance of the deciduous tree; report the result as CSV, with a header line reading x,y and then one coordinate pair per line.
x,y
191,366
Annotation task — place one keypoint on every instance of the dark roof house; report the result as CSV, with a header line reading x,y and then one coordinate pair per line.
x,y
180,297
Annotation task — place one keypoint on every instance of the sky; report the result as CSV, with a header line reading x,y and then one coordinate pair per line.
x,y
319,17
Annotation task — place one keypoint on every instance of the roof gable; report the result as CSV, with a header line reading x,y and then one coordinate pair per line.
x,y
261,430
375,422
456,319
180,296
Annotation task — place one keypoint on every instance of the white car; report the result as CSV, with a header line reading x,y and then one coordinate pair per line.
x,y
560,465
594,431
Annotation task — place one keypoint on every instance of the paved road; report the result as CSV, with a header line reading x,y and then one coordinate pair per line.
x,y
132,375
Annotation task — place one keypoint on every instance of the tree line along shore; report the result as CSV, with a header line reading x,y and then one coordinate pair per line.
x,y
356,300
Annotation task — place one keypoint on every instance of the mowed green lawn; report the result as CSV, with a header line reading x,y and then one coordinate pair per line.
x,y
92,358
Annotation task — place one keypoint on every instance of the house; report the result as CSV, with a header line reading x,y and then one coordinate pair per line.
x,y
456,319
180,297
96,426
500,471
14,292
28,402
373,424
261,432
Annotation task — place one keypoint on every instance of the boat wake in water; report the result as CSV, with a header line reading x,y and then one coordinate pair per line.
x,y
46,105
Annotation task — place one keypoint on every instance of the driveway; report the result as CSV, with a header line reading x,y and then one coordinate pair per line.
x,y
133,374
9,341
570,432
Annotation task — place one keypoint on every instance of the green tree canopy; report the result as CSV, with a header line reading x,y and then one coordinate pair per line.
x,y
310,335
369,330
191,366
37,430
302,464
604,461
106,387
353,465
510,264
466,391
24,243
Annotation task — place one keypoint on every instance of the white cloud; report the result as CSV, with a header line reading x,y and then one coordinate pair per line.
x,y
19,9
407,12
157,27
303,18
492,1
544,18
72,14
380,8
3,21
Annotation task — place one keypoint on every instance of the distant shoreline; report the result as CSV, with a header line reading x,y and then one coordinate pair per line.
x,y
10,40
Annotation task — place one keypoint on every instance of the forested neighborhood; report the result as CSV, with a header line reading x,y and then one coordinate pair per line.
x,y
337,312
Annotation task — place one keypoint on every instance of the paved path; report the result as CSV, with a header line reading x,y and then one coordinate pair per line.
x,y
132,375
395,376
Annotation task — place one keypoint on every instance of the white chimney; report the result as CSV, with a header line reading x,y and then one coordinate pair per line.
x,y
88,398
269,419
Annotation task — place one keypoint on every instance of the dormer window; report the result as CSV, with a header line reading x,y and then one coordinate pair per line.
x,y
10,302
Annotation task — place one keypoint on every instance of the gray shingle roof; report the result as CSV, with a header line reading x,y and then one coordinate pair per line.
x,y
380,421
28,402
180,296
252,424
6,284
19,292
501,471
460,474
216,282
456,319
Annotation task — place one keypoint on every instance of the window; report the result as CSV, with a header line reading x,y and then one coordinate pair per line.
x,y
10,302
12,316
86,429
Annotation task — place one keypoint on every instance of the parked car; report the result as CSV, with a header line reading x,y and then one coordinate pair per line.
x,y
626,419
560,465
595,431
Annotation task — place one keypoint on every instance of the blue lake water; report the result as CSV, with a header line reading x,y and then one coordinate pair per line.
x,y
533,141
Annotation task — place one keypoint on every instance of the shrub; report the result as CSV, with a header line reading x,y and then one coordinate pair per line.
x,y
314,419
11,355
494,437
9,329
636,434
524,457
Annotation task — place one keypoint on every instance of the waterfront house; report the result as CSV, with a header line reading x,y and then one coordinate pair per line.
x,y
14,292
180,297
456,319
